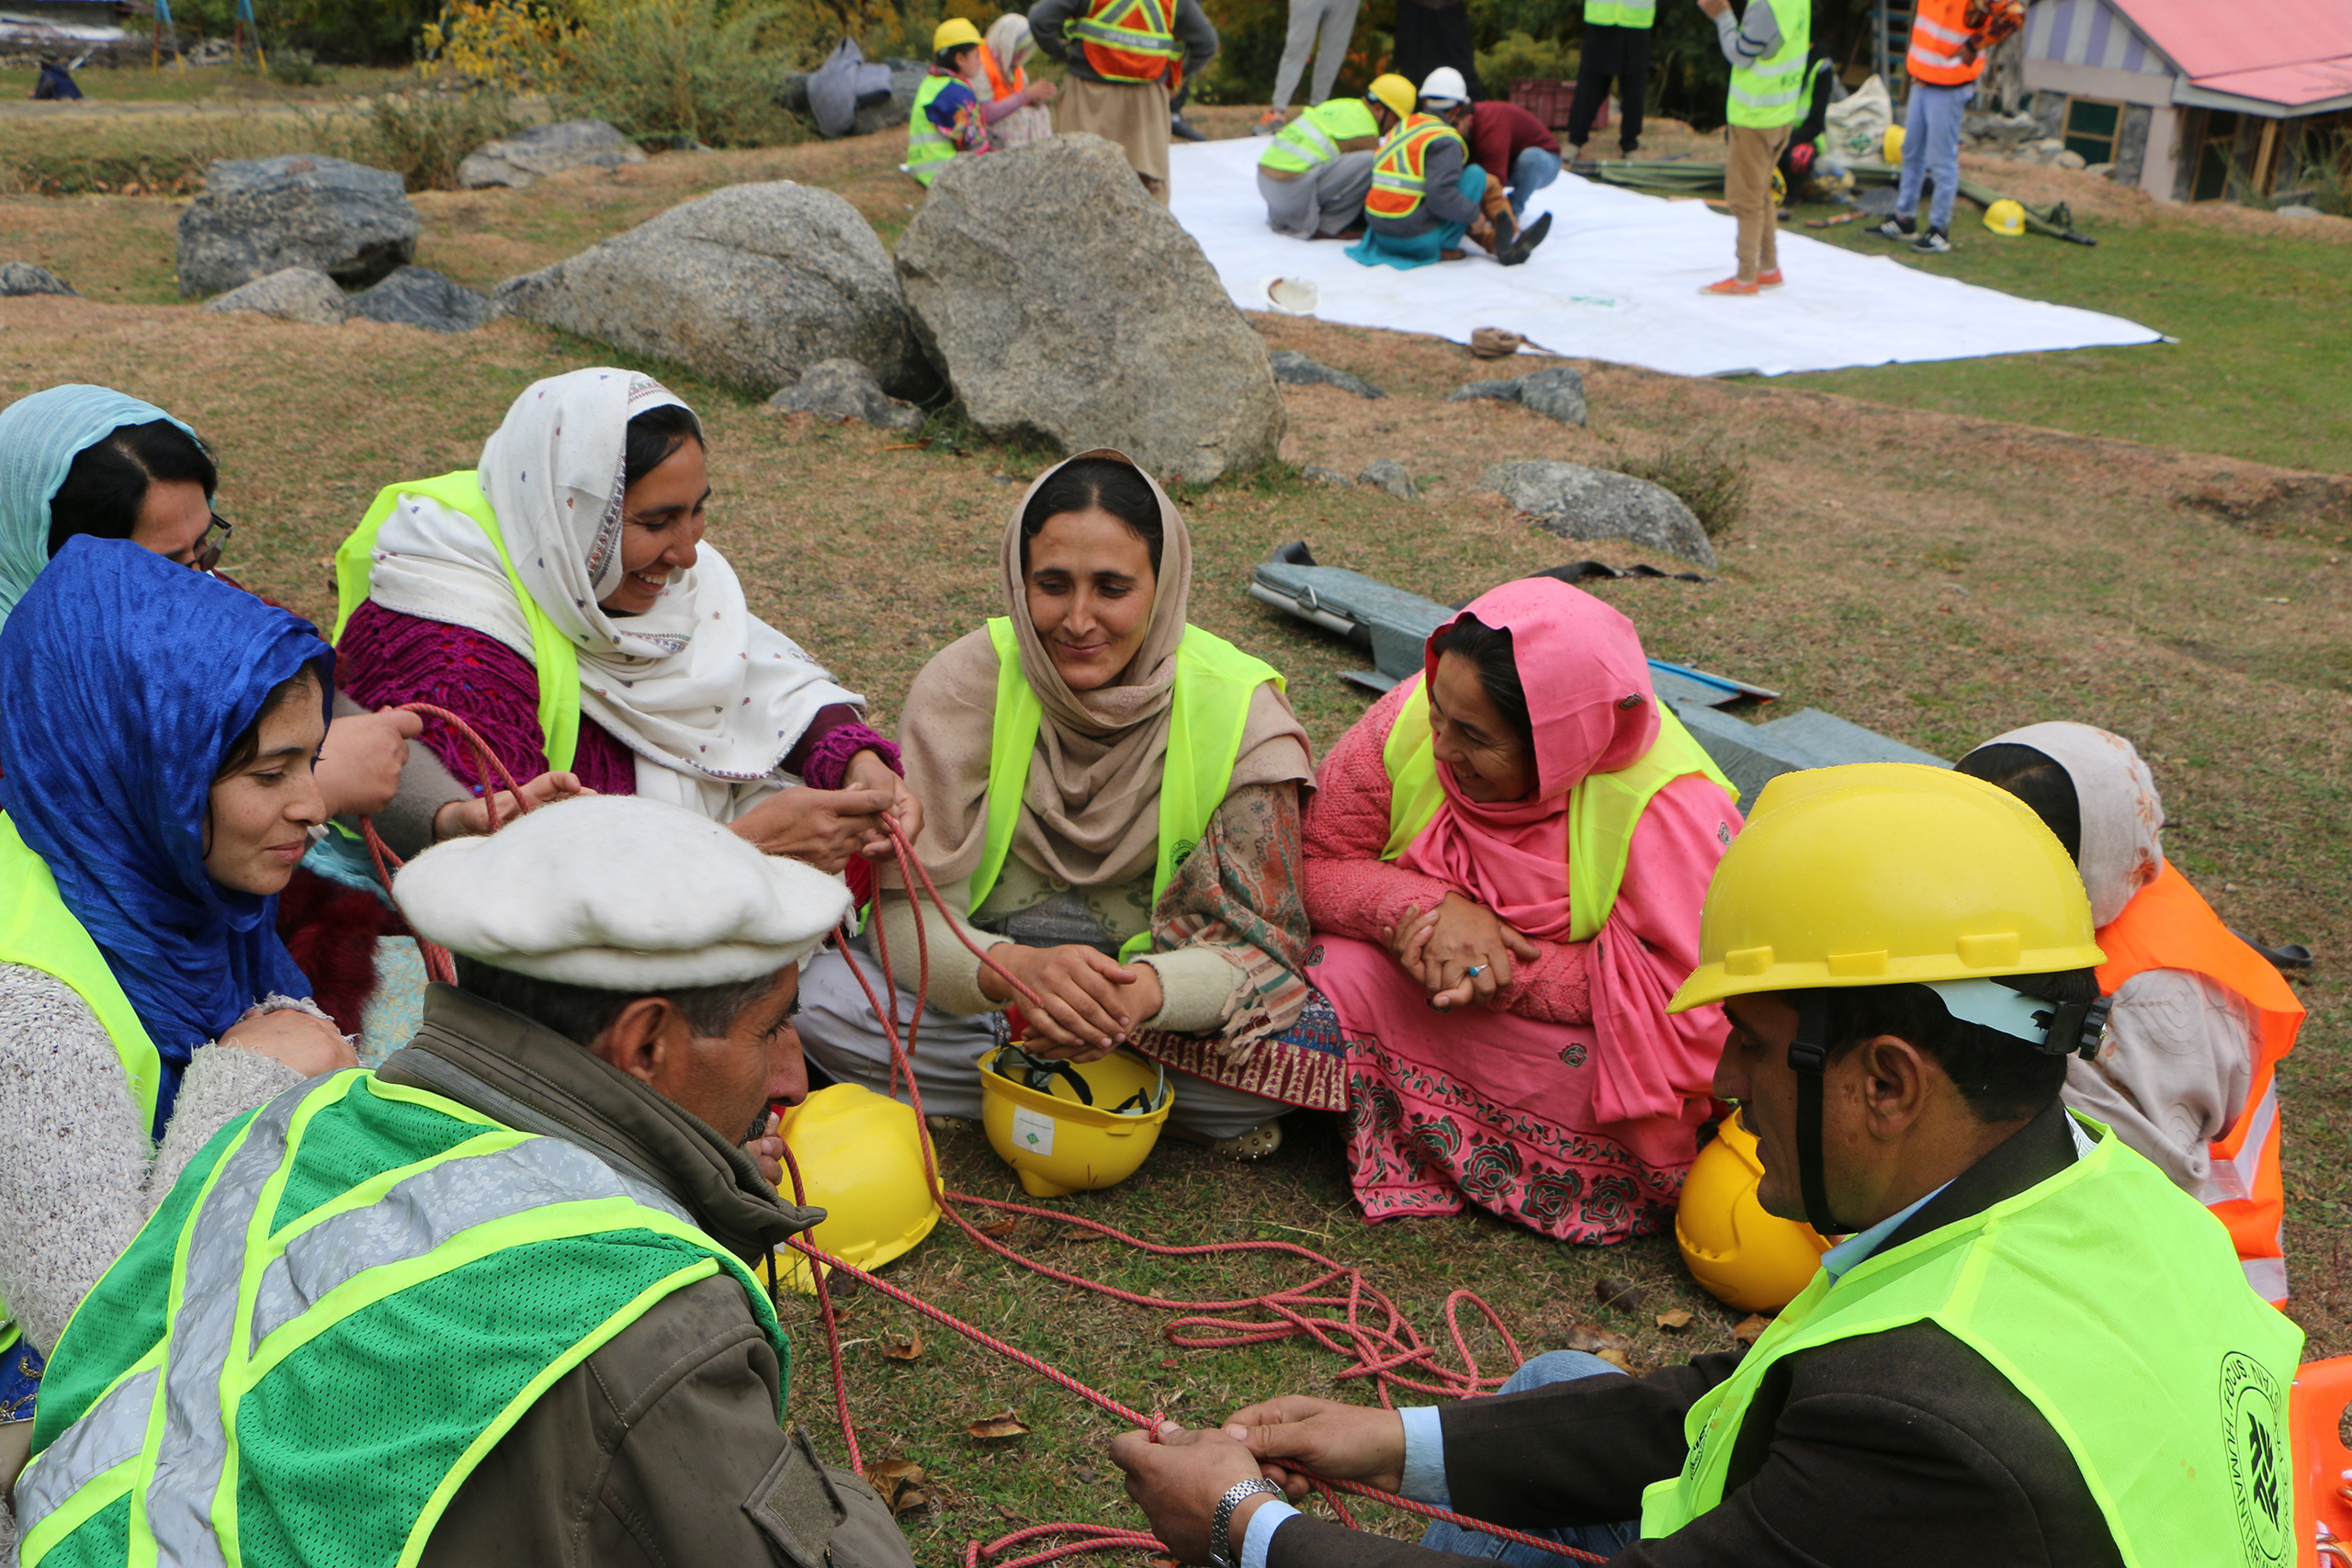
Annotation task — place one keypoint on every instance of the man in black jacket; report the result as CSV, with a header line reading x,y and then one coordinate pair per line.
x,y
2012,1361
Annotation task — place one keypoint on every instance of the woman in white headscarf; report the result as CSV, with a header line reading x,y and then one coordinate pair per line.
x,y
1010,48
562,601
2201,1020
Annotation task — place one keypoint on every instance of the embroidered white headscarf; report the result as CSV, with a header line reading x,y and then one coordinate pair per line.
x,y
2123,817
709,697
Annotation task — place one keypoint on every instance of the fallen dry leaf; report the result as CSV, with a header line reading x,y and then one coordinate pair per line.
x,y
997,1230
1617,1292
1589,1337
1167,1364
1675,1321
907,1348
900,1482
1616,1359
997,1429
1751,1328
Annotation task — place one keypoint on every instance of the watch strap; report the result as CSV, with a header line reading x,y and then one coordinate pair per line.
x,y
1221,1552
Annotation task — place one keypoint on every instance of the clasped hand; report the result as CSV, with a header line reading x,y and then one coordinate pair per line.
x,y
1443,948
1178,1478
1087,1004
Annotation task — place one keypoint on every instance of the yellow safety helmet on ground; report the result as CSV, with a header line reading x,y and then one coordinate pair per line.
x,y
1745,1258
860,1155
952,33
1070,1127
1891,144
2006,217
1394,92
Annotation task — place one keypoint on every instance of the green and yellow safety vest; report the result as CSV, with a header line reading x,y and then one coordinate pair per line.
x,y
1603,808
552,653
2113,1302
344,1303
1315,136
1620,13
1772,91
1209,710
927,145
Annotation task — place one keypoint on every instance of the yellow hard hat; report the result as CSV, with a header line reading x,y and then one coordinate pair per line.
x,y
1394,92
1880,873
1745,1258
954,33
2006,217
1068,1127
1890,149
860,1155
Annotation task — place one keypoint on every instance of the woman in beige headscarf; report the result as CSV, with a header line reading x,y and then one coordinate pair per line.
x,y
1133,859
1005,61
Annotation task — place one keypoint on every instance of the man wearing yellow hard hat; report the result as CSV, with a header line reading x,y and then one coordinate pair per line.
x,y
2031,1348
1317,171
948,116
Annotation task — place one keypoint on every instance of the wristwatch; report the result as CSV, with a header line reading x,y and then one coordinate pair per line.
x,y
1221,1552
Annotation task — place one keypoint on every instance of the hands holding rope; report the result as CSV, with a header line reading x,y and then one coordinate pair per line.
x,y
1176,1476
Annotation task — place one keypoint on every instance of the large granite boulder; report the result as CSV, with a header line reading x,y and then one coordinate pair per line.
x,y
295,294
527,156
419,296
1577,503
258,216
19,278
751,285
1064,303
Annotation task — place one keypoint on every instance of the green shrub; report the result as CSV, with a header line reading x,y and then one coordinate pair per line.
x,y
1517,55
1710,476
681,72
293,66
423,137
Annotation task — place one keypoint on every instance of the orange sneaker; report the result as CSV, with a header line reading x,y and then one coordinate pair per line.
x,y
1731,285
1771,279
1268,123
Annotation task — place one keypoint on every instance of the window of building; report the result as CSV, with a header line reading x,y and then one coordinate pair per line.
x,y
2091,129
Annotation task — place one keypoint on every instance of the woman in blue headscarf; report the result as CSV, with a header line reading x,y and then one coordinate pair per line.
x,y
157,732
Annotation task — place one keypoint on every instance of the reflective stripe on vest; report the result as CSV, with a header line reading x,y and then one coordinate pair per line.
x,y
1619,13
1603,808
2168,925
1315,136
552,654
927,145
1938,30
408,1190
2106,1298
1128,40
1208,711
1399,182
1770,92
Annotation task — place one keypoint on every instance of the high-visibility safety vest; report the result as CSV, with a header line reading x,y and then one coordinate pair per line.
x,y
1398,181
2168,925
927,145
2108,1299
1620,13
1314,137
997,86
1130,40
1603,808
1938,30
1772,91
552,653
1209,710
351,1295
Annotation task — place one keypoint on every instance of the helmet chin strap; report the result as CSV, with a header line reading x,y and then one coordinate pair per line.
x,y
1809,1057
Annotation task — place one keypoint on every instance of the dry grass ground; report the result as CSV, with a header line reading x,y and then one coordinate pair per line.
x,y
1939,578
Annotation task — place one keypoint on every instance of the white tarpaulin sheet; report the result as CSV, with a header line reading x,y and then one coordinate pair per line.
x,y
1619,280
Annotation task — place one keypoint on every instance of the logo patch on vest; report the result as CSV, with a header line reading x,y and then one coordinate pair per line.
x,y
2254,1430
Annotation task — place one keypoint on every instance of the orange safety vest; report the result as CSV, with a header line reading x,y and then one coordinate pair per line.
x,y
998,88
1938,28
2168,925
1131,40
1397,182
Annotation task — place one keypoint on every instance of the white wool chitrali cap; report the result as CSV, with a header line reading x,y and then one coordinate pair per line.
x,y
619,894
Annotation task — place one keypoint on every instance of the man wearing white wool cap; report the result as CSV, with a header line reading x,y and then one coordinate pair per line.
x,y
491,1302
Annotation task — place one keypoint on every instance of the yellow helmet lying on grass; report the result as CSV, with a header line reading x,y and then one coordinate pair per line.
x,y
2006,217
1745,1258
1891,145
860,1155
1068,1127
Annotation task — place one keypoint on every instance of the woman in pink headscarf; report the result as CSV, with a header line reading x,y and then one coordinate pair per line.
x,y
1505,863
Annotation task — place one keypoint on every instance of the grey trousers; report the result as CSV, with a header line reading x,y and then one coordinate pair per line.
x,y
1323,200
840,1034
1332,22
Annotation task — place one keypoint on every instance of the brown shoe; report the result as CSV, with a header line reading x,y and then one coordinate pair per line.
x,y
1455,255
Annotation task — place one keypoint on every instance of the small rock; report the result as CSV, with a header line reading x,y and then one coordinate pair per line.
x,y
1618,1294
843,389
19,278
2297,211
2068,158
1295,369
258,216
1578,502
1557,393
419,296
1390,475
2104,171
1317,474
294,294
524,158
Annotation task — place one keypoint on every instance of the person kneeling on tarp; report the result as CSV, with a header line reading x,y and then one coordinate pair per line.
x,y
1426,194
1317,170
500,1306
2031,1348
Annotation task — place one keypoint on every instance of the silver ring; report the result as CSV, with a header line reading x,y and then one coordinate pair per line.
x,y
1473,971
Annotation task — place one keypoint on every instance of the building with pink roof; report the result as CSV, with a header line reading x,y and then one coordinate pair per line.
x,y
2196,100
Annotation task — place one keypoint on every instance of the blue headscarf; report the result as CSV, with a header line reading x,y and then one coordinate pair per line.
x,y
39,438
124,678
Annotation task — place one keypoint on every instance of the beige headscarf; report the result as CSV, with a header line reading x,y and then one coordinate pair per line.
x,y
1091,811
2122,817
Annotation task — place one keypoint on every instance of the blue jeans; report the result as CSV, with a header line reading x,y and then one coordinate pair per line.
x,y
1604,1540
1931,149
1530,172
